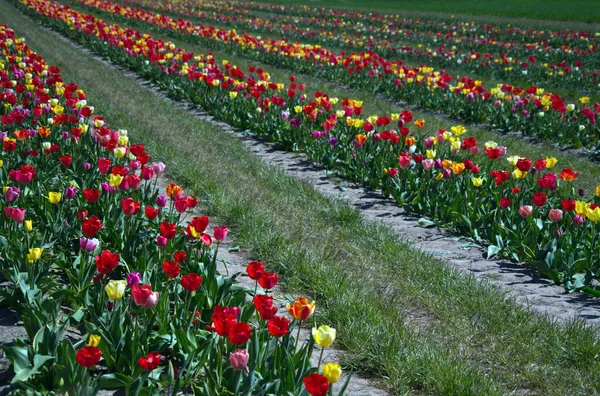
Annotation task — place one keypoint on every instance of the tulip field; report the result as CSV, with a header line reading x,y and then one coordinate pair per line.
x,y
117,206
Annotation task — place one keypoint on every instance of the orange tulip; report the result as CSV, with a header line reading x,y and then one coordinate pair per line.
x,y
301,309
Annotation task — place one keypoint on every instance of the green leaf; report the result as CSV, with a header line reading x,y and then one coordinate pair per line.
x,y
493,250
234,249
18,356
115,380
423,222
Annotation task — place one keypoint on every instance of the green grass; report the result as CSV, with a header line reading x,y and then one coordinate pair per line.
x,y
401,314
574,10
589,171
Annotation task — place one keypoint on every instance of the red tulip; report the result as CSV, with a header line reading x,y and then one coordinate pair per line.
x,y
151,212
278,326
91,226
144,296
150,362
107,261
191,282
179,256
130,207
505,202
240,333
104,165
539,199
222,322
264,306
91,195
524,164
255,270
568,205
88,356
66,160
171,268
316,384
168,230
267,280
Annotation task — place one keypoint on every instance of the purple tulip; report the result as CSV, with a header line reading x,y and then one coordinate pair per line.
x,y
133,278
12,193
161,201
70,192
88,245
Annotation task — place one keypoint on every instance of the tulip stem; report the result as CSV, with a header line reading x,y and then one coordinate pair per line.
x,y
297,336
320,358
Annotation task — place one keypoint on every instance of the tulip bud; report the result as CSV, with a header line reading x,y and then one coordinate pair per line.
x,y
239,359
161,201
133,278
525,210
28,225
221,233
115,289
332,372
161,241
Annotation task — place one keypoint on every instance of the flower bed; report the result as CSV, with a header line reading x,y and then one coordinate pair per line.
x,y
92,247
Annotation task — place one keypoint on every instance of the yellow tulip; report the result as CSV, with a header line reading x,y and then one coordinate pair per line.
x,y
332,372
34,255
584,100
1,163
430,154
477,181
115,289
54,197
581,208
551,162
28,225
518,174
513,159
233,94
94,340
594,214
115,180
120,152
598,191
324,335
458,130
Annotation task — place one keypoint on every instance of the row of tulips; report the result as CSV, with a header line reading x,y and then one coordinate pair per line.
x,y
521,61
374,19
531,111
430,26
117,285
523,207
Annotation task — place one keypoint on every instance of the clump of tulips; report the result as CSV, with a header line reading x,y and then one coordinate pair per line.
x,y
90,244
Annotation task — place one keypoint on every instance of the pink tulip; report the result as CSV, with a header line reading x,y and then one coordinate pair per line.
x,y
428,164
158,167
161,241
239,359
221,232
525,210
555,215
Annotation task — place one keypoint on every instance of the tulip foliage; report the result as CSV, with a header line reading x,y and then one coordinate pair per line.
x,y
525,209
114,280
